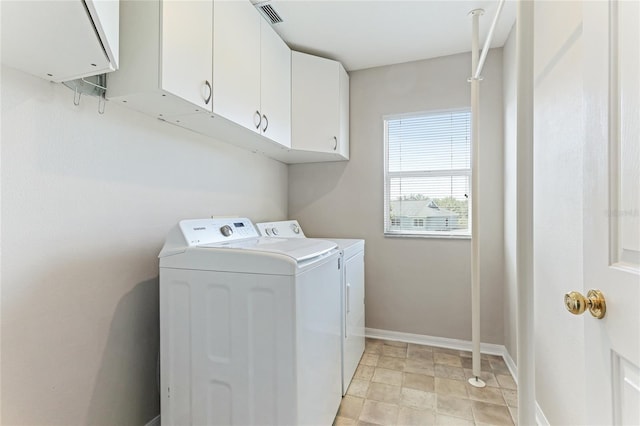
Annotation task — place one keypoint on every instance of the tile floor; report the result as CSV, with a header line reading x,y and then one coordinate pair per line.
x,y
400,383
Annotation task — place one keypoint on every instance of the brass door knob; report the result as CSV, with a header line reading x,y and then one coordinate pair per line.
x,y
576,303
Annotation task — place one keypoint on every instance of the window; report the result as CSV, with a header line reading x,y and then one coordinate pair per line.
x,y
428,174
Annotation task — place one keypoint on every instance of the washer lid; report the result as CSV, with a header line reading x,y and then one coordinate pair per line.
x,y
299,249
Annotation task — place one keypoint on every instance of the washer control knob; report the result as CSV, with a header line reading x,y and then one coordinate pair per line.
x,y
267,231
226,230
274,231
295,228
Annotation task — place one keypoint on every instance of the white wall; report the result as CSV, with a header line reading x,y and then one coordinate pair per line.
x,y
87,200
510,151
413,285
558,189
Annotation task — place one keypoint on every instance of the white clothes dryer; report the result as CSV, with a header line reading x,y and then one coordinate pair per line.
x,y
249,327
352,306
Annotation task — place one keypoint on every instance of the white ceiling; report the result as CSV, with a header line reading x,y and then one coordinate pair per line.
x,y
370,33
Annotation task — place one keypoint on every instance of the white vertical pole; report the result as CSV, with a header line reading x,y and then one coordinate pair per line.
x,y
524,215
475,185
487,43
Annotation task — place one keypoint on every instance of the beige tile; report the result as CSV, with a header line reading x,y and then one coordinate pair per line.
x,y
419,348
395,343
361,423
379,412
487,394
412,417
452,406
491,413
369,359
358,387
488,377
420,352
447,359
450,387
506,381
364,372
419,366
418,381
418,399
444,420
514,414
485,365
384,393
498,366
350,407
455,352
394,351
449,372
391,363
344,421
510,397
389,377
468,354
495,358
373,346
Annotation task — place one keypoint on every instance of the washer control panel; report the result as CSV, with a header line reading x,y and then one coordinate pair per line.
x,y
209,231
285,229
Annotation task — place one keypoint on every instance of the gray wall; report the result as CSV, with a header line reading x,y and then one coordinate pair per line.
x,y
86,203
413,285
510,151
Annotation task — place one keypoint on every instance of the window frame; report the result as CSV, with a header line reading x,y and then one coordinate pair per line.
x,y
424,173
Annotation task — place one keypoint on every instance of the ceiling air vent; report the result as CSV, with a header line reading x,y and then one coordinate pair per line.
x,y
269,12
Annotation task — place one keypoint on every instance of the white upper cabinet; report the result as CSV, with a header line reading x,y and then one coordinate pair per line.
x,y
166,57
60,40
320,106
218,68
275,86
252,72
236,68
187,50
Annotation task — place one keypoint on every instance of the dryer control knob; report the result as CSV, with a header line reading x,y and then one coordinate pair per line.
x,y
267,231
274,231
226,230
295,228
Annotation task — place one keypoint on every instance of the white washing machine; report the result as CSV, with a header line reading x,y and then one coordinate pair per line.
x,y
249,327
352,306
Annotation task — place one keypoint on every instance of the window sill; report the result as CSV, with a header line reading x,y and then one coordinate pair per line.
x,y
428,236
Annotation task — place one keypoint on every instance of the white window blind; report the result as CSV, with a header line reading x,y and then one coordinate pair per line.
x,y
427,174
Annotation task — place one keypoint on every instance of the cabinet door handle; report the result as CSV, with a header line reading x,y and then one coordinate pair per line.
x,y
335,144
210,92
257,114
266,123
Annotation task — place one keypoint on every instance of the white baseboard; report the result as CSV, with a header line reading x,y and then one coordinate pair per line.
x,y
462,345
154,422
440,342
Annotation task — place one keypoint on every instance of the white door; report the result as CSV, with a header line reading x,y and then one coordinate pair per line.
x,y
187,56
315,94
275,87
236,64
612,209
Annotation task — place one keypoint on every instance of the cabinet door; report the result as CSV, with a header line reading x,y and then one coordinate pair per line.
x,y
315,103
275,88
187,50
236,69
